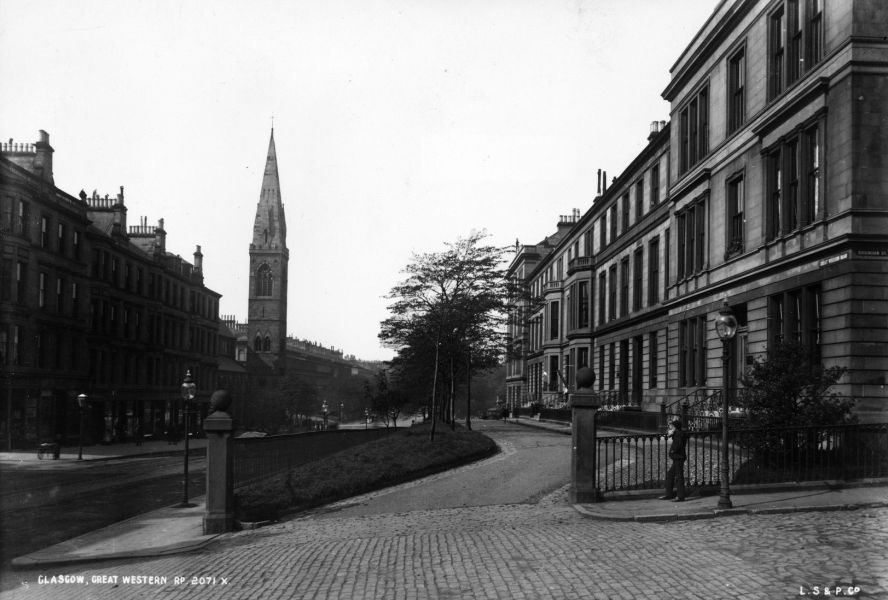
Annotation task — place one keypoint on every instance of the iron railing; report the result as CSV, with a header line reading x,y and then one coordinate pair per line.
x,y
755,456
262,457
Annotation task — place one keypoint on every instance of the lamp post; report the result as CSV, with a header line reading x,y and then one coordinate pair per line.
x,y
81,400
324,409
726,328
188,392
366,418
340,414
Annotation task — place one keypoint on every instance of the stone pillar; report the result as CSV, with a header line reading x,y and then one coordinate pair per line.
x,y
584,455
219,427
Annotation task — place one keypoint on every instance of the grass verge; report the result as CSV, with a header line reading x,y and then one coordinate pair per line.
x,y
397,458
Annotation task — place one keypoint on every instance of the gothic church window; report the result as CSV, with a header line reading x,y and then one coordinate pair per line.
x,y
264,281
267,346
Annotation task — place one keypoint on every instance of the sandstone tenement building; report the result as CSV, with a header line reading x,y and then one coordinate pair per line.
x,y
767,189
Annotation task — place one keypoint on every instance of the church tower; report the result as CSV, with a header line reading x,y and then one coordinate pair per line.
x,y
269,257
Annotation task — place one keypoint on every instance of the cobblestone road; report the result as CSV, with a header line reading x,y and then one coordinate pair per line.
x,y
524,551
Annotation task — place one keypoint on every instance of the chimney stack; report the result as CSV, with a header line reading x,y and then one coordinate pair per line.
x,y
198,260
43,158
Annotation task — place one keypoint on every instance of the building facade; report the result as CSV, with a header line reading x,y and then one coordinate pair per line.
x,y
91,306
767,190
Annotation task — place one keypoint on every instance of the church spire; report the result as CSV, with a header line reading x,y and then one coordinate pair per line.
x,y
269,257
270,228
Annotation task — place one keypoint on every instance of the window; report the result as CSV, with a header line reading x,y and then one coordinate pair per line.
x,y
692,352
75,245
264,281
691,223
61,238
20,281
654,271
583,304
17,349
582,357
612,292
60,296
624,287
794,38
736,90
793,183
613,222
637,274
694,130
602,297
667,262
735,205
267,345
23,217
625,213
44,232
602,230
639,199
794,315
795,42
814,33
655,184
75,300
553,320
5,279
811,198
653,359
774,175
601,367
775,53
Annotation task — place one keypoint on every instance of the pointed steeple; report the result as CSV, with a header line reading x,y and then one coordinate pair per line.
x,y
269,258
270,227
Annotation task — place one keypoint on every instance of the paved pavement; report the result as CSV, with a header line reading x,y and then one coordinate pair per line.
x,y
774,545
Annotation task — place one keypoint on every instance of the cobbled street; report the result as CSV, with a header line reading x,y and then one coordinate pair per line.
x,y
526,551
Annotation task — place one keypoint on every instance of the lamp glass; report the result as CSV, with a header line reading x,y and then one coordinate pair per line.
x,y
726,324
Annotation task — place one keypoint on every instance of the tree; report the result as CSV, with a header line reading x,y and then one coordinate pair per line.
x,y
447,319
384,400
791,388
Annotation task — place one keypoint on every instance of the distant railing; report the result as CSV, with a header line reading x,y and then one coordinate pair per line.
x,y
755,456
258,458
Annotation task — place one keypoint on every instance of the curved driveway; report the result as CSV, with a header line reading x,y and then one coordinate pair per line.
x,y
531,463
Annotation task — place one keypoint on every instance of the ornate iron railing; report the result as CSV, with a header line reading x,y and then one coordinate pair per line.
x,y
755,456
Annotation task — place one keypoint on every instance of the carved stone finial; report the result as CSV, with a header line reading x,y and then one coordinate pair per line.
x,y
585,378
220,401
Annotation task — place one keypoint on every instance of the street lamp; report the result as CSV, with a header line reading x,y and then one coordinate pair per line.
x,y
366,418
726,328
340,414
81,400
189,390
324,408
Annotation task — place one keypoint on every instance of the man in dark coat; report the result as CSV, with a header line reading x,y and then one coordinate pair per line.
x,y
675,475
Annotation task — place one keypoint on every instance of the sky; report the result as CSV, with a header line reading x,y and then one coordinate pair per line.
x,y
400,125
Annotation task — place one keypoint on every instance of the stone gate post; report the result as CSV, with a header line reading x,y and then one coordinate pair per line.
x,y
219,427
584,455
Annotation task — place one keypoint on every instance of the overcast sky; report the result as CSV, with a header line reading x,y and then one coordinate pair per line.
x,y
399,124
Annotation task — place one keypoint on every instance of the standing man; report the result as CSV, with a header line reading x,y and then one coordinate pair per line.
x,y
676,470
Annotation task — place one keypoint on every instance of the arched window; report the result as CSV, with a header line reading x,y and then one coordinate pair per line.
x,y
267,343
257,345
264,281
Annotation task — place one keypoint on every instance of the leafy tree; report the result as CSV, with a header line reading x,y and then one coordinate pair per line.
x,y
447,319
385,401
791,388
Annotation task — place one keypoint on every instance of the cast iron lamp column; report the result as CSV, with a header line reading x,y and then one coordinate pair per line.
x,y
189,389
81,400
726,328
